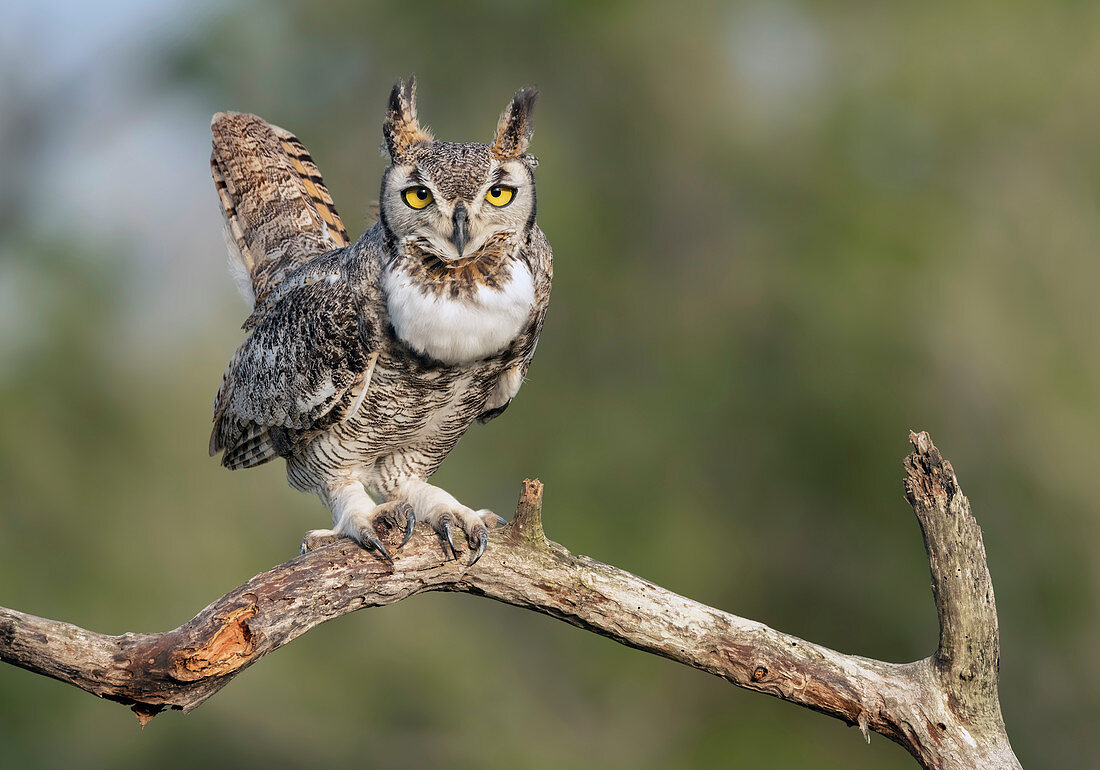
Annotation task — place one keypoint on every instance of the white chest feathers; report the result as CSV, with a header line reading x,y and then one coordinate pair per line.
x,y
456,330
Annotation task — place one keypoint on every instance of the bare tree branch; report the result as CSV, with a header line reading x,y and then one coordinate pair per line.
x,y
943,709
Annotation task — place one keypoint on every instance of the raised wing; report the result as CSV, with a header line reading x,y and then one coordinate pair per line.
x,y
278,212
304,367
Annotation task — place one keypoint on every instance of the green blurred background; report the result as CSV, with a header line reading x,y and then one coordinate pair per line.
x,y
786,233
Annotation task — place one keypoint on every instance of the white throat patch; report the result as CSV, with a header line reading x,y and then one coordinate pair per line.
x,y
457,330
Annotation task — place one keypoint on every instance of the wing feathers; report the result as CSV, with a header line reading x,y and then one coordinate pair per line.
x,y
303,365
315,186
277,209
255,448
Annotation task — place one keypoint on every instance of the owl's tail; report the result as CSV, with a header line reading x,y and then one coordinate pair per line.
x,y
278,212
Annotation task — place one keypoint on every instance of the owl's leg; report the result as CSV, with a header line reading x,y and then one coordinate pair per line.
x,y
440,509
355,515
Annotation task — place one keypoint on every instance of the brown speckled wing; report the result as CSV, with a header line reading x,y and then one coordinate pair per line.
x,y
277,209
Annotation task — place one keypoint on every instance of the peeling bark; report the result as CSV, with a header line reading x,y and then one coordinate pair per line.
x,y
944,709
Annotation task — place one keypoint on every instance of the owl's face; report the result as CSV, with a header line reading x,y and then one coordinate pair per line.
x,y
456,201
457,198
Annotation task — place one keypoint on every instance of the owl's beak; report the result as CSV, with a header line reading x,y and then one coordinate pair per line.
x,y
460,231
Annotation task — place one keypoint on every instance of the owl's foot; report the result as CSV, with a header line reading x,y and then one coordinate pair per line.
x,y
446,516
474,524
392,517
385,521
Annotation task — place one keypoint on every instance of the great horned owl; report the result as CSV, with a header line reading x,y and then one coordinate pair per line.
x,y
367,361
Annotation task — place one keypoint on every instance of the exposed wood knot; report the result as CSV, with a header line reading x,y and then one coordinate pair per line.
x,y
227,650
527,524
759,673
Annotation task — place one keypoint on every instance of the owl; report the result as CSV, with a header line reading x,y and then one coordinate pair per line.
x,y
365,362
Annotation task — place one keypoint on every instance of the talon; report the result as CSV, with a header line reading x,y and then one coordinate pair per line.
x,y
447,536
482,541
410,526
374,544
501,521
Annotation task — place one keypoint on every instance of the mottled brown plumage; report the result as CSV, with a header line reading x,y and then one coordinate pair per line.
x,y
367,361
278,212
435,274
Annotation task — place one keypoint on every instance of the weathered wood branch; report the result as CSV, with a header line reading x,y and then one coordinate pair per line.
x,y
943,709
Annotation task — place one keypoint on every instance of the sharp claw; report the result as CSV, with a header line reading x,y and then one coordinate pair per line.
x,y
482,541
410,527
374,544
447,537
501,521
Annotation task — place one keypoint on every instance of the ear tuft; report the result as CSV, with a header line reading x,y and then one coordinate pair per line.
x,y
402,130
515,127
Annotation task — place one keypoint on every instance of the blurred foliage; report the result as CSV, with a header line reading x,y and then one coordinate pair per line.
x,y
785,235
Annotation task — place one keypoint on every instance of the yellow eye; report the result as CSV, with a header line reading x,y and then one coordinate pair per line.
x,y
499,195
417,197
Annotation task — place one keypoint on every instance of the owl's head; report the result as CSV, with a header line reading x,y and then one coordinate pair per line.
x,y
457,199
